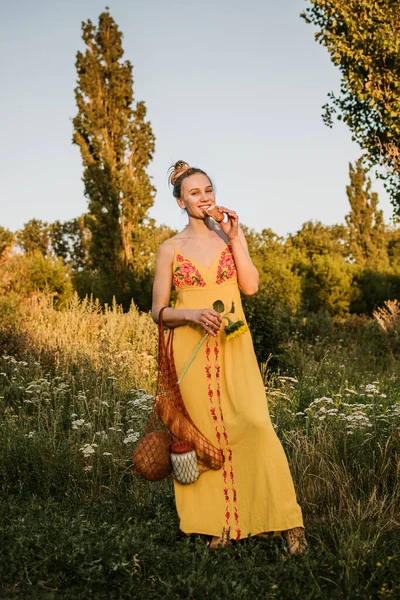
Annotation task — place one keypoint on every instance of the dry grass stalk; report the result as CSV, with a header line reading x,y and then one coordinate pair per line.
x,y
388,316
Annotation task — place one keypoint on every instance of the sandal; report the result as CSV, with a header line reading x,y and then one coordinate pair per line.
x,y
295,539
216,542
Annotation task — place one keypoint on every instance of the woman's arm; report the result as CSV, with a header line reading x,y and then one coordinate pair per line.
x,y
248,277
209,319
247,273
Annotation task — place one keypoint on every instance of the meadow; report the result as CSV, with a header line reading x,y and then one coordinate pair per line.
x,y
76,388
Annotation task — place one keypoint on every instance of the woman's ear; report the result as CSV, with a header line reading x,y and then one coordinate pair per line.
x,y
180,203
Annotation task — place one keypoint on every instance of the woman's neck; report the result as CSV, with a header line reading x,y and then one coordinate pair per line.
x,y
197,228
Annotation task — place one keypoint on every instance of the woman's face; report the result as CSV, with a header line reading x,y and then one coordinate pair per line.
x,y
197,194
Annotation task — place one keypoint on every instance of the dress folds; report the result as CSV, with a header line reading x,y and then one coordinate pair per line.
x,y
225,396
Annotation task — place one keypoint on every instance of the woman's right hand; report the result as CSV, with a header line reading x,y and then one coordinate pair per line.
x,y
208,318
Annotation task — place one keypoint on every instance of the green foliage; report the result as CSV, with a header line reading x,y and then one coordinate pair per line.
x,y
269,321
327,284
367,241
392,235
362,38
77,527
71,240
314,238
375,287
6,242
319,259
32,273
138,284
274,261
116,144
34,237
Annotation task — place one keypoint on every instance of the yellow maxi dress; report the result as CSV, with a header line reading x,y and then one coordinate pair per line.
x,y
225,396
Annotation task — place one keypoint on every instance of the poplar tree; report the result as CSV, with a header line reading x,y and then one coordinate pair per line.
x,y
116,144
366,228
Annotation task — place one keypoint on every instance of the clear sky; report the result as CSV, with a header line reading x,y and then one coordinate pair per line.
x,y
232,86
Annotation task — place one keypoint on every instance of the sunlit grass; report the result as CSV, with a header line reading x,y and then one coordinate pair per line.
x,y
77,523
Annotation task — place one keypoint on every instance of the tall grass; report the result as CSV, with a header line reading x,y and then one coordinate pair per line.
x,y
76,388
85,335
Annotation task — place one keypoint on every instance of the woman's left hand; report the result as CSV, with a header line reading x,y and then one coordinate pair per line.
x,y
231,226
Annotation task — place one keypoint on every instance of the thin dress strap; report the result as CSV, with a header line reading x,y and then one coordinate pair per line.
x,y
175,253
176,249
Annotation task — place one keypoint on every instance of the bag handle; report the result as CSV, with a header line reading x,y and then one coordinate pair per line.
x,y
164,348
161,337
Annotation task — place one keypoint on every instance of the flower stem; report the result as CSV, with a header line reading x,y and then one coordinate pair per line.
x,y
192,357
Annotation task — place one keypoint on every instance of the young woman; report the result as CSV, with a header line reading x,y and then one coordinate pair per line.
x,y
222,390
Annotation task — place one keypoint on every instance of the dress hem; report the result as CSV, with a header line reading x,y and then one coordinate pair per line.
x,y
273,532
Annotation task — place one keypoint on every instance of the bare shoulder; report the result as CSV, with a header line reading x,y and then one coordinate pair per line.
x,y
166,251
166,247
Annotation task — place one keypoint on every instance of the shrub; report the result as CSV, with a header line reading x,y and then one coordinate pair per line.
x,y
31,273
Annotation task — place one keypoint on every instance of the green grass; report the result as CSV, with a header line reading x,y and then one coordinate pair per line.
x,y
128,545
76,523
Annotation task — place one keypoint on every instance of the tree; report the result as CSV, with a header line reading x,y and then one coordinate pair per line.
x,y
363,40
274,262
367,239
116,144
7,239
6,242
33,273
327,284
34,237
393,247
314,238
320,258
70,240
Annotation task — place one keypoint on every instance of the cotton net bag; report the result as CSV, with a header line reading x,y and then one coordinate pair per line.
x,y
170,432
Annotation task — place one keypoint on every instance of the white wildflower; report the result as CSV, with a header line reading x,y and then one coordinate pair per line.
x,y
131,438
88,449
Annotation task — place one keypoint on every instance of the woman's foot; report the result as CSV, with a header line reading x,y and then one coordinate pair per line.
x,y
218,541
295,539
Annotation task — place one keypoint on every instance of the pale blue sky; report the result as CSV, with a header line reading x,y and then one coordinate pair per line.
x,y
234,87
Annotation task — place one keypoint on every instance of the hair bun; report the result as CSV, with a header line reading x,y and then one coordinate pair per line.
x,y
178,169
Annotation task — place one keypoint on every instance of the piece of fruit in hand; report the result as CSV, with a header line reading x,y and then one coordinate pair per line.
x,y
214,213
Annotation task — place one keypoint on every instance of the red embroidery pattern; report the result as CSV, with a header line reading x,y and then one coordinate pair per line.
x,y
229,449
218,420
186,273
226,266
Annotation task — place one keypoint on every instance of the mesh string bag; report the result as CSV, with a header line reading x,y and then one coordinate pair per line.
x,y
170,422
